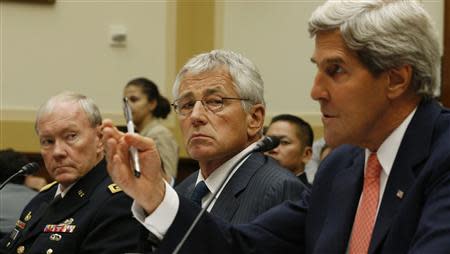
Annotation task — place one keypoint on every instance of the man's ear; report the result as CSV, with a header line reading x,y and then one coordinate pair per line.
x,y
307,154
399,81
255,120
99,136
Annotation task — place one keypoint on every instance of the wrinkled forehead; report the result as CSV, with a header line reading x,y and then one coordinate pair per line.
x,y
62,115
208,82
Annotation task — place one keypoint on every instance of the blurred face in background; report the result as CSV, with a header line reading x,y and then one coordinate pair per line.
x,y
291,153
141,107
70,146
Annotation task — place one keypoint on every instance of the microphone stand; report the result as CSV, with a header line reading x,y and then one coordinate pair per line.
x,y
9,179
27,169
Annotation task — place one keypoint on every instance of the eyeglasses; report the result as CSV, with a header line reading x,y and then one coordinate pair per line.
x,y
213,103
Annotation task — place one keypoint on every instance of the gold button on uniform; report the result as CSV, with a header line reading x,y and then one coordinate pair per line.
x,y
20,249
49,251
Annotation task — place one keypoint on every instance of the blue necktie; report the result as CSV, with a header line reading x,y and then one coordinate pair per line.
x,y
199,192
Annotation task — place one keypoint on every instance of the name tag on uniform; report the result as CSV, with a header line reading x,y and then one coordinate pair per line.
x,y
59,228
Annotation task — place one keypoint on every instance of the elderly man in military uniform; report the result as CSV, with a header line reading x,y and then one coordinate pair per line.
x,y
82,211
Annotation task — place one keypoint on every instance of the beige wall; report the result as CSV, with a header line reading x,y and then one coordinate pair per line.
x,y
274,35
48,48
65,46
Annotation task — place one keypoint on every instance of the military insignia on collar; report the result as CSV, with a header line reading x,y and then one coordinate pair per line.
x,y
81,193
28,216
113,188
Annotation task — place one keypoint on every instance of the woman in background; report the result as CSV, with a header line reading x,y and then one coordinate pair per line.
x,y
147,106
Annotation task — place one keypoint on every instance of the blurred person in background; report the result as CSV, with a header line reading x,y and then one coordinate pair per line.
x,y
15,195
296,139
148,106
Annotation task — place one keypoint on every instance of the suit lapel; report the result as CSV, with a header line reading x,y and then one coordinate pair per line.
x,y
341,209
413,150
228,202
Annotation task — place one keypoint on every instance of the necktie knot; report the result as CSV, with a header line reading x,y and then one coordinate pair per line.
x,y
200,191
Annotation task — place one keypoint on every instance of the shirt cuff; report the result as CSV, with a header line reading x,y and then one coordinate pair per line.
x,y
160,220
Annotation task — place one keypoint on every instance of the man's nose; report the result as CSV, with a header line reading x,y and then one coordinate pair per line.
x,y
59,149
318,90
198,113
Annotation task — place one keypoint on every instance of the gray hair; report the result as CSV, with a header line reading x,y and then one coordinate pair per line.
x,y
385,34
86,104
245,75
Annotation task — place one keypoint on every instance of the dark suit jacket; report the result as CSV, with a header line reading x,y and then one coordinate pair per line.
x,y
302,177
259,184
417,221
93,217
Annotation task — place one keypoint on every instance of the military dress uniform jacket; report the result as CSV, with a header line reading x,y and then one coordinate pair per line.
x,y
93,217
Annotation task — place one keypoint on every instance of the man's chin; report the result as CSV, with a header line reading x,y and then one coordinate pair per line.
x,y
65,179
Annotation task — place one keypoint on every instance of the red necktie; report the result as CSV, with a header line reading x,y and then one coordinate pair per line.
x,y
367,210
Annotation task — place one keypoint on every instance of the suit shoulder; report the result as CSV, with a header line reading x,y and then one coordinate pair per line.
x,y
48,186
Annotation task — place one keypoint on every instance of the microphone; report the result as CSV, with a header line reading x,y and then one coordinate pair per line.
x,y
27,169
266,144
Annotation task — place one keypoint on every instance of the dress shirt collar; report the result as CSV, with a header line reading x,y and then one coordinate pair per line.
x,y
388,150
215,178
63,193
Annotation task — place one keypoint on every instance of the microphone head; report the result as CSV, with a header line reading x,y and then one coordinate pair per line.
x,y
267,143
30,168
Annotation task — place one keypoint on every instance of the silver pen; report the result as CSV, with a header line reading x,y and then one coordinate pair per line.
x,y
130,129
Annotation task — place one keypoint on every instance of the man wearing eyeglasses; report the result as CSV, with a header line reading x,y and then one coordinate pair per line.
x,y
221,108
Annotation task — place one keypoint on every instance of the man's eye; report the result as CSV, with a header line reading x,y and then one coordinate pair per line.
x,y
46,142
334,69
284,142
71,136
187,105
214,102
